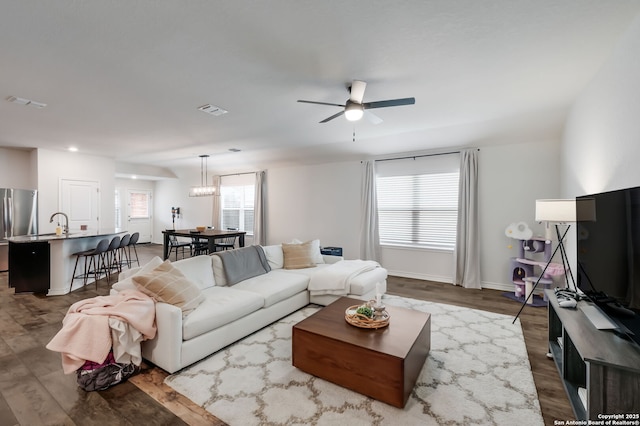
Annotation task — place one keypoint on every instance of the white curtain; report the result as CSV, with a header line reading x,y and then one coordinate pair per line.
x,y
216,210
467,268
259,214
369,236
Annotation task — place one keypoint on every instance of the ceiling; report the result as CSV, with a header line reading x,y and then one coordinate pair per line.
x,y
124,79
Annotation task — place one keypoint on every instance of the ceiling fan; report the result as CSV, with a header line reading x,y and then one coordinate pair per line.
x,y
354,108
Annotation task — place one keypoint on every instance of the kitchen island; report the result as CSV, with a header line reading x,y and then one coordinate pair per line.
x,y
44,263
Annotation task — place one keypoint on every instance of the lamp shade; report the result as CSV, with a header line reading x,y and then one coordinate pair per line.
x,y
561,211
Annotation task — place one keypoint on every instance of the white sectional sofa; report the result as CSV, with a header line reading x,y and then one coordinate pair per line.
x,y
229,309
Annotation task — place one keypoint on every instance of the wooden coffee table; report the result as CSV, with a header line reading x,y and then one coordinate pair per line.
x,y
381,363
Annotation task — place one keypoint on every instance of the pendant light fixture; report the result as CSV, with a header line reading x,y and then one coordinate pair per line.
x,y
203,190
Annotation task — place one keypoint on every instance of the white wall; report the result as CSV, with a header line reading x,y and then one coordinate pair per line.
x,y
16,169
511,178
601,148
52,166
320,201
194,211
323,201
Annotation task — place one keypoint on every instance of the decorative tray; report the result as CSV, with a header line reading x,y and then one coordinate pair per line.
x,y
363,321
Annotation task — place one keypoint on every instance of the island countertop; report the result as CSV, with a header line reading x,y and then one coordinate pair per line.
x,y
61,259
72,235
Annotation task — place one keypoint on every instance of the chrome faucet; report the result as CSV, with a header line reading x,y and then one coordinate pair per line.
x,y
66,219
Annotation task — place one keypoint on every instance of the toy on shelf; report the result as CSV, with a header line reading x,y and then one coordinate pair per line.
x,y
523,266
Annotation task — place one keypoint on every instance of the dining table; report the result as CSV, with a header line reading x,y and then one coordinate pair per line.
x,y
211,235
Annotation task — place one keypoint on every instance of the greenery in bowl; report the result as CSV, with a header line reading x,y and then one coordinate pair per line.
x,y
365,310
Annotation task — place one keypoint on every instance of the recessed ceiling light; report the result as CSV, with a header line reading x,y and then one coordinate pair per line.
x,y
73,149
234,150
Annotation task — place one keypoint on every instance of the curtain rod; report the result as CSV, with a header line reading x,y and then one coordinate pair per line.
x,y
238,174
422,155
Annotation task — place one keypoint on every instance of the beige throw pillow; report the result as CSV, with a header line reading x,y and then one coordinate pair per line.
x,y
167,284
297,256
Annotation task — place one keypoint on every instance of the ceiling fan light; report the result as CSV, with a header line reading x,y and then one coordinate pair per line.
x,y
353,112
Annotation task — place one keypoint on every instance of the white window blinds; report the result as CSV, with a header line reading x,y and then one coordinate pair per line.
x,y
418,202
237,195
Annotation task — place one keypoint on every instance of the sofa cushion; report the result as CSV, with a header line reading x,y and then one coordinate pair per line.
x,y
274,256
221,306
167,284
243,263
366,282
297,256
275,286
197,269
218,271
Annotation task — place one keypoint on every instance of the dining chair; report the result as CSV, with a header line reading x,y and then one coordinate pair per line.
x,y
199,246
176,245
226,243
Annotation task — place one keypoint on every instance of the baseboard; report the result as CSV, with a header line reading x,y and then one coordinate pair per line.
x,y
424,277
448,280
507,287
498,286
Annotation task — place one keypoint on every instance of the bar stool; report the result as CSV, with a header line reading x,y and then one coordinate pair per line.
x,y
112,256
123,258
132,243
94,257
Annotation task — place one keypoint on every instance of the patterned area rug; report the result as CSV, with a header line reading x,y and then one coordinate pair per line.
x,y
477,372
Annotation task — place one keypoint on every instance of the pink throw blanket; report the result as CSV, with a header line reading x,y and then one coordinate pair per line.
x,y
85,333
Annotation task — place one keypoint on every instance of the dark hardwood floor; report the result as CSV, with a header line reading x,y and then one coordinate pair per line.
x,y
34,391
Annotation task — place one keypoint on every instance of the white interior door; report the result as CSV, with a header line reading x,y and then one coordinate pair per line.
x,y
139,213
80,200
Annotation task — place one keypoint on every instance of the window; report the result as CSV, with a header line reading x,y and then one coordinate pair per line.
x,y
237,200
418,209
139,204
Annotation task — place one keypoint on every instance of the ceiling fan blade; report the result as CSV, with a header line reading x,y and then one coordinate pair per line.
x,y
332,117
389,103
357,91
372,118
320,103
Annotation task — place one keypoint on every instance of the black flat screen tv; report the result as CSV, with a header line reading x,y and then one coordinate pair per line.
x,y
608,254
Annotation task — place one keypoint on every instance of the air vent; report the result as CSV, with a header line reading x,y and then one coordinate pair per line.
x,y
212,109
234,150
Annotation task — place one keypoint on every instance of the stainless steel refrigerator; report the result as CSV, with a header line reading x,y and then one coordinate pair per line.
x,y
18,216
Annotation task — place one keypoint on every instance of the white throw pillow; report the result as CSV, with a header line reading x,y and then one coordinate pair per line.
x,y
315,252
274,256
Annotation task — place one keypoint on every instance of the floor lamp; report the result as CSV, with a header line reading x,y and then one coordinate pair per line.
x,y
556,212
